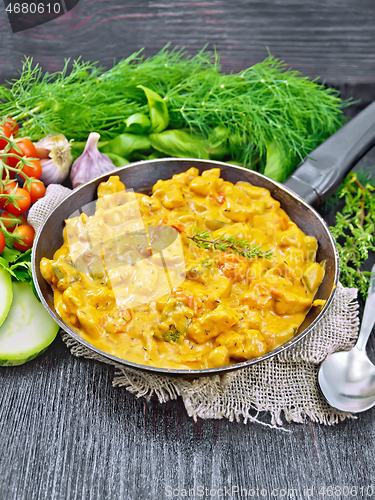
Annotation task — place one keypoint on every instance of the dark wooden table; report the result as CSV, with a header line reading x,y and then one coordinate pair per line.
x,y
65,433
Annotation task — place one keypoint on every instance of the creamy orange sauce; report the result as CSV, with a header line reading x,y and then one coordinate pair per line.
x,y
225,308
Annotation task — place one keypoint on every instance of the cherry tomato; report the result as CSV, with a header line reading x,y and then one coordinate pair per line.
x,y
37,190
12,161
12,221
27,149
28,234
8,128
23,203
2,242
32,171
3,142
8,188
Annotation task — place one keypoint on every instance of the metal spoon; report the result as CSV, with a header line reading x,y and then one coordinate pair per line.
x,y
347,379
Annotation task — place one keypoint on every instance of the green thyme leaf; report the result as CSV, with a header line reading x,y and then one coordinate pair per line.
x,y
354,231
228,243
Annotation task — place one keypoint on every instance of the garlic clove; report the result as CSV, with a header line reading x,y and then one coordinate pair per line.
x,y
91,163
42,153
56,158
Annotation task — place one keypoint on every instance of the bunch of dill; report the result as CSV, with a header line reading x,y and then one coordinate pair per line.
x,y
262,105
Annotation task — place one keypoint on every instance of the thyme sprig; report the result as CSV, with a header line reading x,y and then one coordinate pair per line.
x,y
228,243
354,231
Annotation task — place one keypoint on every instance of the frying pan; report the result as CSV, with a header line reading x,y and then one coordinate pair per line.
x,y
314,180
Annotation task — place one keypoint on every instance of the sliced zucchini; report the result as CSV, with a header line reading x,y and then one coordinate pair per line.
x,y
313,275
6,294
28,329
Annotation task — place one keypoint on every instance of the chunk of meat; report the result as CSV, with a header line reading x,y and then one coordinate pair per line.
x,y
243,345
290,303
205,185
219,356
259,296
169,193
235,212
88,318
113,185
292,237
213,323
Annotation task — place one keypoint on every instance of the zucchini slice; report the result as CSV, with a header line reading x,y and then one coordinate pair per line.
x,y
6,294
28,329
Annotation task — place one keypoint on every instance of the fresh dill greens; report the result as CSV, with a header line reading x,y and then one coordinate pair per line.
x,y
266,104
227,243
354,230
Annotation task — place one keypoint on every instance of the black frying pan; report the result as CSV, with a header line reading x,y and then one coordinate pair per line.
x,y
314,181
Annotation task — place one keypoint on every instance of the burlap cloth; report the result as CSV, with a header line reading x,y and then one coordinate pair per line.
x,y
284,385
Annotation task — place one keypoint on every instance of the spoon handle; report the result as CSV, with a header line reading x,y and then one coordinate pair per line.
x,y
368,315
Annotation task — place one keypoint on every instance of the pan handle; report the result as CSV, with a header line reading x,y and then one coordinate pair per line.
x,y
319,175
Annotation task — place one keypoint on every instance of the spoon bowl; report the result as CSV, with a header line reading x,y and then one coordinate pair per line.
x,y
347,379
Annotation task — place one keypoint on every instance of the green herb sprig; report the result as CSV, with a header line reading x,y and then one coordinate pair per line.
x,y
228,243
354,231
18,264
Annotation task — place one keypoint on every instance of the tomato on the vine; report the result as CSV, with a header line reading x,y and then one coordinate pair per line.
x,y
27,148
23,203
33,170
2,242
37,190
28,234
8,188
8,128
11,174
12,221
12,161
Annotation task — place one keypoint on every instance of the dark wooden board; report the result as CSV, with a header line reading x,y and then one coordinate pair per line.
x,y
65,433
331,39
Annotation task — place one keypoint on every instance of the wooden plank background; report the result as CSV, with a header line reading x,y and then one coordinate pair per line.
x,y
331,39
65,433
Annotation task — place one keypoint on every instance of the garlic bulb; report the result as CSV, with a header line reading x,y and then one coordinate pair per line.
x,y
91,163
55,158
